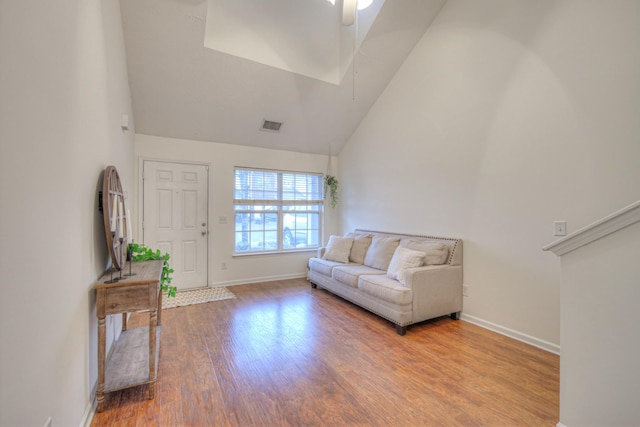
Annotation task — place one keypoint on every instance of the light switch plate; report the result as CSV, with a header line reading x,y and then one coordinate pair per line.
x,y
560,228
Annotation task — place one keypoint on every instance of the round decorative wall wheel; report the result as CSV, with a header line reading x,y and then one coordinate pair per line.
x,y
115,217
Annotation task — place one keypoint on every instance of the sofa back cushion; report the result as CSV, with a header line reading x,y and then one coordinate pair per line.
x,y
361,243
436,253
381,251
338,249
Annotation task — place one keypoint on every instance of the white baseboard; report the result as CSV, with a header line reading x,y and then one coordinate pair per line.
x,y
89,412
560,425
527,339
258,280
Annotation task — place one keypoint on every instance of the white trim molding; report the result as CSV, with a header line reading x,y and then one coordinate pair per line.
x,y
527,339
258,280
89,412
607,225
560,425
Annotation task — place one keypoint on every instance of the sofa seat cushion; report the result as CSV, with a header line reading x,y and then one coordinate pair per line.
x,y
386,289
323,266
349,274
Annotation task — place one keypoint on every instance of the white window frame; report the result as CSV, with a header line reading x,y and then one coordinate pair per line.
x,y
280,207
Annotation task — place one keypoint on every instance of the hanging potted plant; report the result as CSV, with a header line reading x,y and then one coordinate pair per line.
x,y
331,188
330,183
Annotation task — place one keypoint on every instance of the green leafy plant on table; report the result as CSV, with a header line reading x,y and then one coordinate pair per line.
x,y
142,253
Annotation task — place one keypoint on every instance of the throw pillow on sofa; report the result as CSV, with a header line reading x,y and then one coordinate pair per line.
x,y
361,243
403,258
338,249
381,251
436,253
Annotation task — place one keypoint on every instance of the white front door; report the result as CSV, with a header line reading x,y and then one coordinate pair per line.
x,y
175,201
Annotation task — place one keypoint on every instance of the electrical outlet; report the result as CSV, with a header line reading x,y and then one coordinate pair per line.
x,y
560,228
465,290
223,266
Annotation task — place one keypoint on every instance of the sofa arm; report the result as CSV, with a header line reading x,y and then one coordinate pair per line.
x,y
437,290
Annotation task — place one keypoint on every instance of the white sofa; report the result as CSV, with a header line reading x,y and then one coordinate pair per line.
x,y
401,285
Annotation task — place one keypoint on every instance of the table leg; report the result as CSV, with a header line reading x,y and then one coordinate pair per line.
x,y
152,352
159,307
102,337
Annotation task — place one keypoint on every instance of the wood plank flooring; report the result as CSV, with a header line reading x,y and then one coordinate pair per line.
x,y
283,354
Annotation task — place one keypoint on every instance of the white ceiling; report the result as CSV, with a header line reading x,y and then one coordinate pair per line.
x,y
182,89
304,37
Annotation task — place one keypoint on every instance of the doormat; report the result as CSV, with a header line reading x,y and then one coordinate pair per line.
x,y
196,296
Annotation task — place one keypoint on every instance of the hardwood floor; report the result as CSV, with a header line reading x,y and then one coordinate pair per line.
x,y
283,354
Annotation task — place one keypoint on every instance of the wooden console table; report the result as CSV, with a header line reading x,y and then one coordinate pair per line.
x,y
134,360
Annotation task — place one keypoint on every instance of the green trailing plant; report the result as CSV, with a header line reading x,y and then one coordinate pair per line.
x,y
142,253
331,184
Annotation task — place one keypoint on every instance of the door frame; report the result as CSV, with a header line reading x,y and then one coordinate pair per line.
x,y
140,201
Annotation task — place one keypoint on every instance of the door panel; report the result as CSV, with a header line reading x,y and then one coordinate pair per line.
x,y
189,209
164,211
175,201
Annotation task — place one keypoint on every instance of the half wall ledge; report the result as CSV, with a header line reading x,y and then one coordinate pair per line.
x,y
607,225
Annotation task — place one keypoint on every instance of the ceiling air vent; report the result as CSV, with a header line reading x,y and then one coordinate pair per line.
x,y
270,126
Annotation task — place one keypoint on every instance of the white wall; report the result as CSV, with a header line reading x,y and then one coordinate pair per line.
x,y
222,158
599,375
63,88
507,115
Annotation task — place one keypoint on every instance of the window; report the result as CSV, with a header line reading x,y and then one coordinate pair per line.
x,y
276,210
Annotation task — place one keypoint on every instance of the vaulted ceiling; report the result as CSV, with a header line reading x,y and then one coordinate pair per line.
x,y
214,70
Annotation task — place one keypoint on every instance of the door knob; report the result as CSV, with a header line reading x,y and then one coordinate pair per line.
x,y
204,233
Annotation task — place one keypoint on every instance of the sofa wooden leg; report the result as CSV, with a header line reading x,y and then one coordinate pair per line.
x,y
455,316
401,330
313,285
